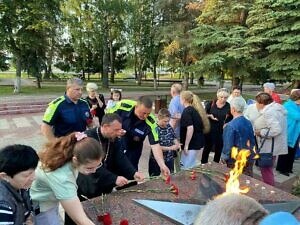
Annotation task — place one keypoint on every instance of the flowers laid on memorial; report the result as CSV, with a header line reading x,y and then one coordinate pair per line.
x,y
202,170
167,179
193,175
174,189
105,218
124,222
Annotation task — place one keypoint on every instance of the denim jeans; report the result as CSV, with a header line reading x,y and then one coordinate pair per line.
x,y
49,217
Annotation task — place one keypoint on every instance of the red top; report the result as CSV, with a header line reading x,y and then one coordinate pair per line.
x,y
276,97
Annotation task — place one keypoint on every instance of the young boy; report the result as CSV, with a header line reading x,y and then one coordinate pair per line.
x,y
168,142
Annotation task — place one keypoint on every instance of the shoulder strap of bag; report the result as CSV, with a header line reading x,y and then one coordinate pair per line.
x,y
263,142
272,144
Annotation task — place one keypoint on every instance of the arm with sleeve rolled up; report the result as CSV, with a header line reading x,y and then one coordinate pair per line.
x,y
47,131
74,209
188,137
158,155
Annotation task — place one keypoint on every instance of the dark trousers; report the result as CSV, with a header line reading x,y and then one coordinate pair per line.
x,y
212,140
285,162
134,157
132,149
154,169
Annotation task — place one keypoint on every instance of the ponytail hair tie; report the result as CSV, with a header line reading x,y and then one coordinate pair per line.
x,y
80,135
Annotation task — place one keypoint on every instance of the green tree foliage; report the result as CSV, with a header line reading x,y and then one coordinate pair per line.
x,y
25,27
178,20
274,37
219,39
3,61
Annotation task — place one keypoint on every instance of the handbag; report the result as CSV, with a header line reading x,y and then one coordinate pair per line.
x,y
265,159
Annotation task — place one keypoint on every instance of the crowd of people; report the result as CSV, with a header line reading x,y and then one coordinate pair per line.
x,y
95,146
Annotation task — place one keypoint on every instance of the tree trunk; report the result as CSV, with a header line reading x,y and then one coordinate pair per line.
x,y
236,81
221,79
17,83
38,80
112,62
105,55
154,77
192,78
48,70
185,82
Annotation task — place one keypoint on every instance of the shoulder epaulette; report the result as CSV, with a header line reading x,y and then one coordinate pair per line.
x,y
126,105
57,100
151,119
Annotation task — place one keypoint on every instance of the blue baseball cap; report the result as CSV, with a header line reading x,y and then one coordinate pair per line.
x,y
280,218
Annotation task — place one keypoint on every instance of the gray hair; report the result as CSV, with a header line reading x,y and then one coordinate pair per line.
x,y
177,87
74,80
238,104
223,92
91,86
233,209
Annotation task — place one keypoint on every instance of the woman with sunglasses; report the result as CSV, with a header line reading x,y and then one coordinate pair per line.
x,y
56,175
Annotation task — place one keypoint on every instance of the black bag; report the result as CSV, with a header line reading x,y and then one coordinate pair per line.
x,y
265,159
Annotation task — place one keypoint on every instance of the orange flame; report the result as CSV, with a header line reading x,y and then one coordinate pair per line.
x,y
256,155
233,184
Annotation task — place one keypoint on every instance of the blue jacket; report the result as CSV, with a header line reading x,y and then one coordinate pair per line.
x,y
238,133
293,121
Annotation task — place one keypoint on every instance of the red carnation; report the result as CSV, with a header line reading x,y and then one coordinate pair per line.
x,y
100,218
93,112
89,121
193,175
174,189
124,222
168,180
226,177
105,219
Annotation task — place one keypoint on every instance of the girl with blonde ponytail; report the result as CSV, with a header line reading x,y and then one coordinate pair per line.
x,y
193,125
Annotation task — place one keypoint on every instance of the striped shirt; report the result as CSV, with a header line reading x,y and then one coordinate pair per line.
x,y
6,214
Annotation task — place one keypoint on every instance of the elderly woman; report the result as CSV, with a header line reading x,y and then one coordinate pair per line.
x,y
285,162
271,131
96,101
218,112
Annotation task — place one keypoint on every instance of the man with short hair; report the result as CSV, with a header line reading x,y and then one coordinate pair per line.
x,y
116,169
139,122
175,107
270,89
67,113
238,133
